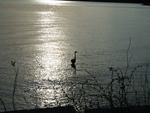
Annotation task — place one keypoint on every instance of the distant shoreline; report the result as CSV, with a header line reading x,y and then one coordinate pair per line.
x,y
146,3
115,1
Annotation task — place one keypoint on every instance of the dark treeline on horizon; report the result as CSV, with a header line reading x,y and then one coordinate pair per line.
x,y
123,1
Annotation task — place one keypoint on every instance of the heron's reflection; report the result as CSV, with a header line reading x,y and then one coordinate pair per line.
x,y
74,67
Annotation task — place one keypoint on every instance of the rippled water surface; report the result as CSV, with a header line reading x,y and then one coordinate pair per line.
x,y
41,36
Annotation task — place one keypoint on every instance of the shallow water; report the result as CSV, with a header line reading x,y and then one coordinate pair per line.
x,y
42,37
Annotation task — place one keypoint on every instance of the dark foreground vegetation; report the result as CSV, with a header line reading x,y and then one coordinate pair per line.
x,y
121,94
66,109
71,109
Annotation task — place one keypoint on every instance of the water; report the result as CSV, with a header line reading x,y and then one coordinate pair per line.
x,y
41,36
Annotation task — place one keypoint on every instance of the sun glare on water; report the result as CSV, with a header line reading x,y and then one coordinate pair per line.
x,y
50,2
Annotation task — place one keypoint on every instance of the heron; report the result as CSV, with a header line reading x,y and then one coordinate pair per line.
x,y
73,61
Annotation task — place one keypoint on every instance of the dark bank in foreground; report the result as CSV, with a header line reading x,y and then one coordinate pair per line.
x,y
71,109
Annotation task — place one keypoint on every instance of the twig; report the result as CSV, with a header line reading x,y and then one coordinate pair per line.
x,y
3,104
15,83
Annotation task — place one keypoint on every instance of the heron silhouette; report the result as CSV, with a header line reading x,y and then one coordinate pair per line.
x,y
73,61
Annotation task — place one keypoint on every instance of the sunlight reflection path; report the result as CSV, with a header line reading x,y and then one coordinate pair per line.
x,y
51,48
52,57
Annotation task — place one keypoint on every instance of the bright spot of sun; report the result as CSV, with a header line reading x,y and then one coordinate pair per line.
x,y
50,2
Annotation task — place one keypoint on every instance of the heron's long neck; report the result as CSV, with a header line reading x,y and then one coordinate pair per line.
x,y
74,55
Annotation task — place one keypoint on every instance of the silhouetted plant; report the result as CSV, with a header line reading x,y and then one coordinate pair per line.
x,y
3,104
13,63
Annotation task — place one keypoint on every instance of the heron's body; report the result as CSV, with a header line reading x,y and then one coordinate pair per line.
x,y
73,61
